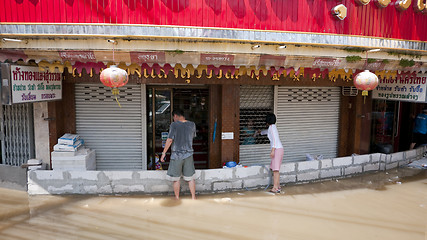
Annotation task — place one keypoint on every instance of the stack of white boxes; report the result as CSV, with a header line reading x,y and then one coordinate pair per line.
x,y
70,154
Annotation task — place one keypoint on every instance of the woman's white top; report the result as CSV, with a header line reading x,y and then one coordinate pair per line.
x,y
273,136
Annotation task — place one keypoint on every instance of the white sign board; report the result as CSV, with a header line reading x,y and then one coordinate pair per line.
x,y
29,84
227,135
405,88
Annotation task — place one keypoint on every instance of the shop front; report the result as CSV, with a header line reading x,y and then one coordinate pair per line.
x,y
397,102
226,67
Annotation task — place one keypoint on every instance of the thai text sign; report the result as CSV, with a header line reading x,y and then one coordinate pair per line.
x,y
402,88
29,84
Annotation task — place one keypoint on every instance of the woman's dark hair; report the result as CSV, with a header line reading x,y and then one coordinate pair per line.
x,y
270,118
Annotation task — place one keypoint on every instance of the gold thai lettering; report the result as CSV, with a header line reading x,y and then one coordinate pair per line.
x,y
382,3
340,11
421,5
403,5
363,2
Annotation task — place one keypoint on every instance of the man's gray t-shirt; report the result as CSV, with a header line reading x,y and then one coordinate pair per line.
x,y
182,134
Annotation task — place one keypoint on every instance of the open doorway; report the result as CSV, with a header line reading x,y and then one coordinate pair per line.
x,y
161,102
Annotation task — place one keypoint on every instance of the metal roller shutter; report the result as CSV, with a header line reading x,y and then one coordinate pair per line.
x,y
255,103
307,121
117,134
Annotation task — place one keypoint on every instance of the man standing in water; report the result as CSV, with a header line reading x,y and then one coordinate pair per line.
x,y
181,134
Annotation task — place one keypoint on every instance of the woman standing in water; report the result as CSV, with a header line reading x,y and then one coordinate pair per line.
x,y
277,151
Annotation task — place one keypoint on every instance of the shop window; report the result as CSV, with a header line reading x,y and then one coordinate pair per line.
x,y
255,103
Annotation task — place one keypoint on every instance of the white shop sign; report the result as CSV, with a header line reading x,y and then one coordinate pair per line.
x,y
407,88
227,135
29,84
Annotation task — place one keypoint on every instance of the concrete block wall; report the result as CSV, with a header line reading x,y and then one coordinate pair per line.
x,y
212,180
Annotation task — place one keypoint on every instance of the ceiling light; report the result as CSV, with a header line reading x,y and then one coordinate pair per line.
x,y
281,47
255,47
11,40
374,50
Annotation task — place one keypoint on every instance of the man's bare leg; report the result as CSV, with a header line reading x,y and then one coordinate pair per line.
x,y
192,186
176,188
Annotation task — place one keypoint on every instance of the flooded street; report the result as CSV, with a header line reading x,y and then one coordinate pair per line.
x,y
387,205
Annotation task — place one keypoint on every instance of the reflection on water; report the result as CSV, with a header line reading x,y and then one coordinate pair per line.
x,y
387,205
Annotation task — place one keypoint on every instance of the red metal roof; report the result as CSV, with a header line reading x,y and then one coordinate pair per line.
x,y
278,15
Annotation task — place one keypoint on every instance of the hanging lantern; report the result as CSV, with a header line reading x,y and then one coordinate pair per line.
x,y
365,81
114,78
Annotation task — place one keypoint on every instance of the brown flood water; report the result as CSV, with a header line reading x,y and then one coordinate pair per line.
x,y
391,205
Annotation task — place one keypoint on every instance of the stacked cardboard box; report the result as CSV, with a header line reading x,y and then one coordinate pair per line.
x,y
70,154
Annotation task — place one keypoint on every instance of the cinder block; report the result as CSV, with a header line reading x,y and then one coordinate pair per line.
x,y
35,189
118,175
342,162
49,175
392,165
411,154
325,163
353,170
287,167
90,189
222,174
203,187
396,157
302,177
387,158
85,175
252,171
154,174
308,165
128,188
371,167
105,190
77,162
249,183
330,173
361,159
288,179
156,188
404,162
197,175
221,186
377,157
421,151
60,190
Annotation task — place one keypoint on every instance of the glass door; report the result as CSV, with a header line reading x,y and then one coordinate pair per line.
x,y
159,119
385,126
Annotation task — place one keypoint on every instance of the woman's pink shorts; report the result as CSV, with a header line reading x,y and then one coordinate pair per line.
x,y
276,161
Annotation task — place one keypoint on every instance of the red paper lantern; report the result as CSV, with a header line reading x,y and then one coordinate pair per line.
x,y
114,78
365,81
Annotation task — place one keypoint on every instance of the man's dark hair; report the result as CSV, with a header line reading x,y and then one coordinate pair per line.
x,y
270,118
178,112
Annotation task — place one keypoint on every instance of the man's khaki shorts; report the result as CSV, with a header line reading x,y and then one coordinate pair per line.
x,y
183,167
